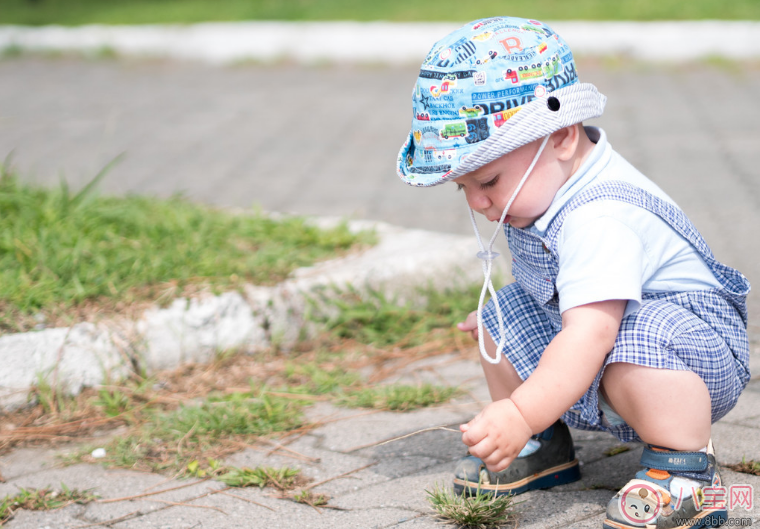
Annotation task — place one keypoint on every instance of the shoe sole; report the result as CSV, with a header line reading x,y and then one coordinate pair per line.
x,y
703,519
551,477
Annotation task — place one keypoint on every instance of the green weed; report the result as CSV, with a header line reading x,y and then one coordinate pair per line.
x,y
113,402
374,318
747,467
281,478
173,439
481,510
61,250
615,450
398,397
311,498
42,500
234,414
315,380
54,400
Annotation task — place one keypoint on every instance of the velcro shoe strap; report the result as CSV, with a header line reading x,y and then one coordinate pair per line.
x,y
674,461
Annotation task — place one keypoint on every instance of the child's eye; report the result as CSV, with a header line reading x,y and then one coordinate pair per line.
x,y
490,183
460,187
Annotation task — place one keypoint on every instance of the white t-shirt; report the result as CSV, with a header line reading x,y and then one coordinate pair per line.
x,y
613,250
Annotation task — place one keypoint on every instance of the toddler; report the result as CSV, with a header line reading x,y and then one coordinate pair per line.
x,y
620,319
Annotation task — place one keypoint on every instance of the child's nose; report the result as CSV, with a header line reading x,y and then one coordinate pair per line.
x,y
479,200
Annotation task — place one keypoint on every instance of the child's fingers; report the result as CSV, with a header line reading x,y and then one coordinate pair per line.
x,y
474,433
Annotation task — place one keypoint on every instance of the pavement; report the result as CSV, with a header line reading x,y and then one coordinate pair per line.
x,y
322,141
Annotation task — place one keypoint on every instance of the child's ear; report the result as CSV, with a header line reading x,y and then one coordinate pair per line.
x,y
565,142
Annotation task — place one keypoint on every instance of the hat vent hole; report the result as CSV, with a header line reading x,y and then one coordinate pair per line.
x,y
553,104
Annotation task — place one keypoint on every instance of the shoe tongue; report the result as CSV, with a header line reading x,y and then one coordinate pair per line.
x,y
530,448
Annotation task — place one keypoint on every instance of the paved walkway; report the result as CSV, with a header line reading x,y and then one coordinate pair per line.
x,y
322,141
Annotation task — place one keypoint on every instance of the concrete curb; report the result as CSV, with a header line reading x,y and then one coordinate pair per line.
x,y
376,42
194,330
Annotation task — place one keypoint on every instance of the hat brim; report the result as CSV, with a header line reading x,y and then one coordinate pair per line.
x,y
534,120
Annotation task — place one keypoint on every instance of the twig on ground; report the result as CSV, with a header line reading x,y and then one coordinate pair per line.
x,y
188,434
338,476
109,522
249,501
276,483
393,439
280,446
269,452
136,496
181,504
167,480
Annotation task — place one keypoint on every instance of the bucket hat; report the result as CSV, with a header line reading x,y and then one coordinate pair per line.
x,y
486,89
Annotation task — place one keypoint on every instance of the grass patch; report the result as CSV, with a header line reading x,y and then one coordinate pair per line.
x,y
746,467
208,430
375,318
481,510
314,379
399,397
615,450
187,420
42,500
283,478
311,498
63,252
72,12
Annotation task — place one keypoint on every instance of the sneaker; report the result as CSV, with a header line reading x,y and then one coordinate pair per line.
x,y
674,490
546,461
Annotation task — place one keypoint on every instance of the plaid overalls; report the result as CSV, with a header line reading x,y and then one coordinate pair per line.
x,y
703,331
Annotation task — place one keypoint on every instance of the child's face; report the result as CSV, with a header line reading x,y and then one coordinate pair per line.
x,y
489,188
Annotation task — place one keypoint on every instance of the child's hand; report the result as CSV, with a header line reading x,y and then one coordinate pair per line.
x,y
470,324
497,434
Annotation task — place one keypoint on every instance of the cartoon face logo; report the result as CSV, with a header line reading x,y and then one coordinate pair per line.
x,y
640,503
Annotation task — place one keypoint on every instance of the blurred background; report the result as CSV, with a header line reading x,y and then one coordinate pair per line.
x,y
321,137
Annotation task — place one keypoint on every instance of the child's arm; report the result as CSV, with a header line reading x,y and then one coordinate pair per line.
x,y
565,372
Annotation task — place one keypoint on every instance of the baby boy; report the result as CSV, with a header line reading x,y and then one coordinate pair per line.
x,y
619,319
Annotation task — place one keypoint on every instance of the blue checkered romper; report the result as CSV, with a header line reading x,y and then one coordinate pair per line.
x,y
703,331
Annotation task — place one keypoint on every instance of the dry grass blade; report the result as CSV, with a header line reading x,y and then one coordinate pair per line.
x,y
145,494
746,467
309,487
248,500
398,438
181,504
279,446
109,522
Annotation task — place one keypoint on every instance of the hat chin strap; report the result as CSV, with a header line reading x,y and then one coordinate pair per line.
x,y
488,256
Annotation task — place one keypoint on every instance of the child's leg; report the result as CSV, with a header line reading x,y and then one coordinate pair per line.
x,y
502,379
549,457
646,397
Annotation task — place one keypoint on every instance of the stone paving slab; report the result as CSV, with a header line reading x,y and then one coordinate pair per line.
x,y
390,492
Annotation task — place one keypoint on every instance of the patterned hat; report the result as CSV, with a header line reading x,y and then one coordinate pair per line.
x,y
486,89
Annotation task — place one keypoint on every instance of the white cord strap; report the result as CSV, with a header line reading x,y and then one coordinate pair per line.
x,y
488,255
